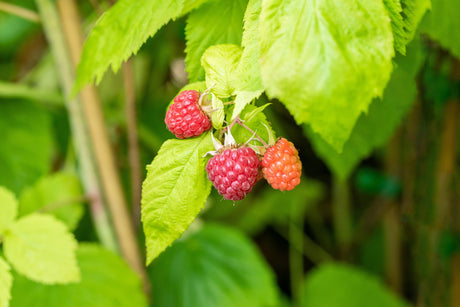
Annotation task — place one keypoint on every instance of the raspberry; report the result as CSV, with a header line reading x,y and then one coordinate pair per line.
x,y
234,172
185,118
281,165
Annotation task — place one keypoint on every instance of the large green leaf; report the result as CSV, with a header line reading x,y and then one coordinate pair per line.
x,y
250,82
442,22
325,60
374,129
8,209
397,24
105,281
215,266
216,22
59,194
122,30
6,282
220,64
41,248
26,146
413,11
174,191
334,285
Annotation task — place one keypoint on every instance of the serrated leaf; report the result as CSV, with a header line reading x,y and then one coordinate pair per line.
x,y
220,63
174,191
216,266
8,209
256,121
26,146
40,247
405,16
226,18
440,22
120,32
106,280
6,282
339,284
59,194
250,81
374,129
325,60
218,114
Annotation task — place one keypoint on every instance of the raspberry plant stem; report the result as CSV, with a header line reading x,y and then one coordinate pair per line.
x,y
19,11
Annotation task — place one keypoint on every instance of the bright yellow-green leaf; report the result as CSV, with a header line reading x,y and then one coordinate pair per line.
x,y
106,281
216,22
41,248
8,209
218,114
59,194
325,60
220,63
6,282
174,191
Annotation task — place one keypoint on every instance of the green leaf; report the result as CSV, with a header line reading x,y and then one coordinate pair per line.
x,y
174,191
343,285
218,115
6,282
256,121
405,16
325,60
8,209
106,280
26,146
41,248
120,32
59,194
220,63
440,22
216,266
374,129
226,20
250,81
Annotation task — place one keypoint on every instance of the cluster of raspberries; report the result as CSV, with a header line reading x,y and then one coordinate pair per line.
x,y
235,169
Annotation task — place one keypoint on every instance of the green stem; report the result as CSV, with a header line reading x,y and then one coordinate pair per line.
x,y
82,146
19,11
342,215
14,90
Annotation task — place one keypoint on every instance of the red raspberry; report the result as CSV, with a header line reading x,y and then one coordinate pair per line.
x,y
234,172
185,118
281,165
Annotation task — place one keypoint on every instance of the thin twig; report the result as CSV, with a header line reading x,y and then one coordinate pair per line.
x,y
133,143
15,90
19,11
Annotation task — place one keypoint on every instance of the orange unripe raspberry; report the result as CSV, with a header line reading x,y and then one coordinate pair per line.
x,y
281,165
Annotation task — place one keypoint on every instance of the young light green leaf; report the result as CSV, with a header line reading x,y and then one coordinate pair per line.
x,y
374,129
440,22
6,282
218,114
26,132
220,63
8,209
325,60
397,24
250,82
226,18
106,280
413,10
59,194
325,287
41,248
174,191
218,267
249,116
120,32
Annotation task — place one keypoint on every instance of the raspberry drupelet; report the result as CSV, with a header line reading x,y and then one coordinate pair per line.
x,y
281,165
185,118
